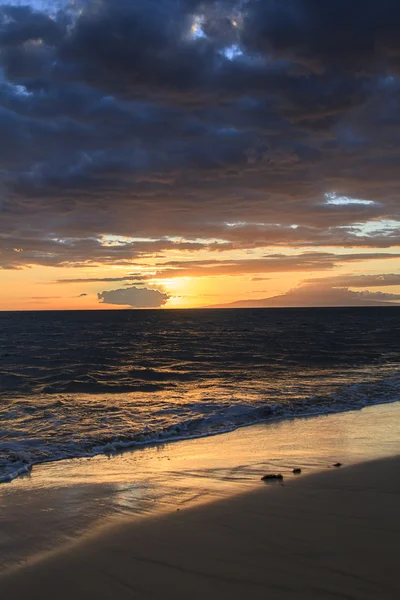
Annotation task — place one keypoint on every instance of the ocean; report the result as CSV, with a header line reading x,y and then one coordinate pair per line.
x,y
77,384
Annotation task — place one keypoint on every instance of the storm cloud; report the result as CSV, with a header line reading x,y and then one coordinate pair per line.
x,y
226,124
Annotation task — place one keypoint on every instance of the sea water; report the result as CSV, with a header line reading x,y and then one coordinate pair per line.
x,y
75,384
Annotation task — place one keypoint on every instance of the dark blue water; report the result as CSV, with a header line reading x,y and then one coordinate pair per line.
x,y
80,383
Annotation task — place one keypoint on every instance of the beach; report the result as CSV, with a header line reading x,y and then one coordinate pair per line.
x,y
193,518
199,299
330,535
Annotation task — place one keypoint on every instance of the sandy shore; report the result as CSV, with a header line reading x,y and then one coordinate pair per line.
x,y
63,501
330,535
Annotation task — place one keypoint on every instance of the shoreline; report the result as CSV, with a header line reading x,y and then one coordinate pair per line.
x,y
67,500
121,447
326,535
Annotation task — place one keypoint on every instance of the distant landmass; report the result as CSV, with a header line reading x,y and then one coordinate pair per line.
x,y
283,301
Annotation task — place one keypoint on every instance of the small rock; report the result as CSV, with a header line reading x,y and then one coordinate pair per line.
x,y
337,465
271,477
296,471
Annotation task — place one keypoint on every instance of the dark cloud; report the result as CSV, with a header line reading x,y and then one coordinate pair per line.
x,y
134,297
18,251
131,278
349,37
274,263
158,119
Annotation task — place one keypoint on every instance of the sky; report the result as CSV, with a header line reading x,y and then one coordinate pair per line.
x,y
187,153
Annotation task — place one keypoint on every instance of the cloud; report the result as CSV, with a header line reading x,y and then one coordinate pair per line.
x,y
17,252
134,297
311,34
130,278
273,263
360,281
165,120
45,297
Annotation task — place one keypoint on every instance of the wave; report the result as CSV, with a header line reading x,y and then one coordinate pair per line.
x,y
103,381
196,420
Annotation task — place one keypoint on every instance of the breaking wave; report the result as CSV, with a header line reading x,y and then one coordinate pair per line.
x,y
18,457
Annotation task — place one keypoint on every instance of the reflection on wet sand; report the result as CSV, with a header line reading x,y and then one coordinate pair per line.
x,y
60,501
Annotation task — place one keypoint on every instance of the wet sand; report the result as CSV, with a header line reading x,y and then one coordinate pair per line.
x,y
63,501
330,535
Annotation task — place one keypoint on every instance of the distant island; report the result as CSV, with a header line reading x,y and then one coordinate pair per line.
x,y
283,301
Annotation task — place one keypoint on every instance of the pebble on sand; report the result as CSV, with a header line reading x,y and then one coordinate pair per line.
x,y
271,477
